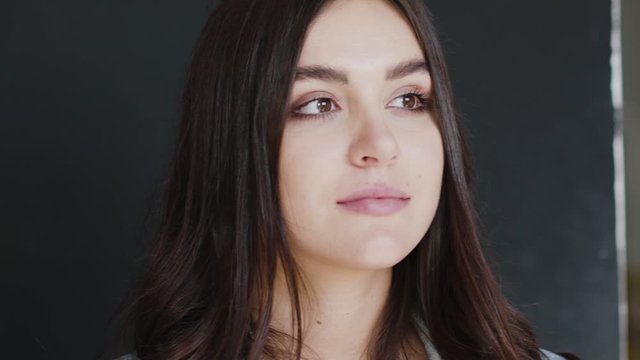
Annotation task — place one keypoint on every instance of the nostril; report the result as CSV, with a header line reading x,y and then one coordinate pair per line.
x,y
370,160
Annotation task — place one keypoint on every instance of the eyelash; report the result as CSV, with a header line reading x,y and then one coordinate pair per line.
x,y
423,98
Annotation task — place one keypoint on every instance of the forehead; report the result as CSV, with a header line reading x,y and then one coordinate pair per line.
x,y
365,35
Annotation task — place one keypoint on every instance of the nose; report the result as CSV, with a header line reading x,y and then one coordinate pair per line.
x,y
374,144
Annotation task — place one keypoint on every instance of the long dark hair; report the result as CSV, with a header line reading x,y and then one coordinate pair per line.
x,y
208,290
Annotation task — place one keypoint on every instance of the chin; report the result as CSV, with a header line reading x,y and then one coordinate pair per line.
x,y
381,254
379,264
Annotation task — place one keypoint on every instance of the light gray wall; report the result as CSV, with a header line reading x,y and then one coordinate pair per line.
x,y
631,105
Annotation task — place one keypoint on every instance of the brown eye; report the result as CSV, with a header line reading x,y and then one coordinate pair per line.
x,y
316,107
409,101
324,105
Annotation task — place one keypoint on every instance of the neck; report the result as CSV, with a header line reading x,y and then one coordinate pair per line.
x,y
340,308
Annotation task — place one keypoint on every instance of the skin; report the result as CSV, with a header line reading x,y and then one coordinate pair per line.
x,y
368,136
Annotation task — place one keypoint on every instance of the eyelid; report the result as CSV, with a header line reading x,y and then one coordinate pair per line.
x,y
306,99
410,90
424,97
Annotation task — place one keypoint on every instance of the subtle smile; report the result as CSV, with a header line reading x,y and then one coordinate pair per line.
x,y
377,200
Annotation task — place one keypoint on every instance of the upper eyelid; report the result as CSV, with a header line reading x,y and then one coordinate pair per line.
x,y
415,87
419,94
314,96
302,103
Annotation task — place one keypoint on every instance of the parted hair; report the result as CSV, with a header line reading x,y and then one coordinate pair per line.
x,y
208,288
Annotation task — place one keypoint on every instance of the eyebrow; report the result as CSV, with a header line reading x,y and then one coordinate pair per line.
x,y
327,73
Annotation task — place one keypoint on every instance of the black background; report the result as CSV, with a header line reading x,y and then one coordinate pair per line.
x,y
89,94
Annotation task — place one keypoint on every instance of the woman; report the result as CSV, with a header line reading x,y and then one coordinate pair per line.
x,y
319,205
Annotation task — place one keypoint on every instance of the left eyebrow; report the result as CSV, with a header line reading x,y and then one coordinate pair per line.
x,y
326,73
406,68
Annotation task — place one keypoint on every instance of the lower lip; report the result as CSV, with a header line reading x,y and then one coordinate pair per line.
x,y
376,207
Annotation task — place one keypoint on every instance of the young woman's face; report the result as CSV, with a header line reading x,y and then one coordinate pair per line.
x,y
361,160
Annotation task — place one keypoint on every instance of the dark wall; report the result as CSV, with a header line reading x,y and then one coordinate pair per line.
x,y
533,82
89,95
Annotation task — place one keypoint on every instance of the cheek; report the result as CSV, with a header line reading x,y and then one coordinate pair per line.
x,y
426,157
424,167
307,166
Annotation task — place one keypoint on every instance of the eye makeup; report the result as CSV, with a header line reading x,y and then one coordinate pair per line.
x,y
424,101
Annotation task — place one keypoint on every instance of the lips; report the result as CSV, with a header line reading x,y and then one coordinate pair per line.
x,y
377,200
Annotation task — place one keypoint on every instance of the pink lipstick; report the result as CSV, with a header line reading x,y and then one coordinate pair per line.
x,y
376,200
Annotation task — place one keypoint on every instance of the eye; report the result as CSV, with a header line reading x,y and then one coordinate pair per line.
x,y
413,101
317,106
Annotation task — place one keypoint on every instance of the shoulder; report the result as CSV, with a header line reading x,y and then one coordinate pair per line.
x,y
130,356
433,354
548,355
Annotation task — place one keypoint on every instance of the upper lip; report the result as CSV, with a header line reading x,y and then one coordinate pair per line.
x,y
379,191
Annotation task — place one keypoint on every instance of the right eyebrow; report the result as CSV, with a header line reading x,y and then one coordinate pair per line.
x,y
320,72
